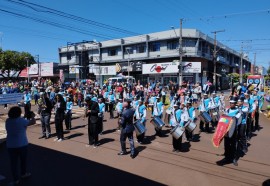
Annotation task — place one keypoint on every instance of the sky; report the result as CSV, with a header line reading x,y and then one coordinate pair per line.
x,y
30,28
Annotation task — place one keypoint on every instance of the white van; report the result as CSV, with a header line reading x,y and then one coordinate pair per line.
x,y
124,79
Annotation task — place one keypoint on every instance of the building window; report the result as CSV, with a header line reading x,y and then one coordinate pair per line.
x,y
128,50
112,52
141,48
68,56
155,46
172,45
189,43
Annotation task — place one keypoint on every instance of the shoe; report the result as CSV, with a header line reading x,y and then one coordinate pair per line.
x,y
245,150
235,163
60,140
174,150
42,137
122,153
95,146
26,175
56,139
222,162
47,137
132,156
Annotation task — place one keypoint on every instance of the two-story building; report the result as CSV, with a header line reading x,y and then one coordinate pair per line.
x,y
153,56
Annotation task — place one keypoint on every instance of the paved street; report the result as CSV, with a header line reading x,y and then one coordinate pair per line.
x,y
72,163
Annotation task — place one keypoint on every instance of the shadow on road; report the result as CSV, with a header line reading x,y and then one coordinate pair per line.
x,y
74,135
50,167
105,140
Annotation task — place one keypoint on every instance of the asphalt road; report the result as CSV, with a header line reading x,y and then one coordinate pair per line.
x,y
70,162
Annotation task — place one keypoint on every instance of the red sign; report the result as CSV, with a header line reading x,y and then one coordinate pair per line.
x,y
223,127
24,73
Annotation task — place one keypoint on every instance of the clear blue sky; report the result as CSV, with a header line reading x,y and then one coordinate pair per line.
x,y
140,16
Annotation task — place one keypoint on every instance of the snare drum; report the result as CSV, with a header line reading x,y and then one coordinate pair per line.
x,y
205,117
157,122
191,126
177,132
139,127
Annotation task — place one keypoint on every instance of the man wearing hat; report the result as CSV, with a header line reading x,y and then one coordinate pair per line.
x,y
230,142
242,140
251,109
174,121
204,107
258,101
140,114
192,117
158,112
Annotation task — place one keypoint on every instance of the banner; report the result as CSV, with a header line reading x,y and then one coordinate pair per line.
x,y
61,75
33,70
11,98
46,69
134,66
74,69
102,70
224,124
191,67
160,68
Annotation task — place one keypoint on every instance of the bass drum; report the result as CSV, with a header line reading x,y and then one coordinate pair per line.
x,y
139,127
177,132
157,122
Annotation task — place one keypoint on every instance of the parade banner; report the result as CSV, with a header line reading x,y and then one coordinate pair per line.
x,y
224,124
11,98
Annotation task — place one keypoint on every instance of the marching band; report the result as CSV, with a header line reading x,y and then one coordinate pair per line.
x,y
180,115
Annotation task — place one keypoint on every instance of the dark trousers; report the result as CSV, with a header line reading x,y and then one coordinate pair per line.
x,y
158,130
111,110
93,133
163,99
177,143
230,145
257,119
18,158
242,140
188,134
68,116
202,124
106,107
59,128
45,124
100,125
36,98
249,126
27,110
123,138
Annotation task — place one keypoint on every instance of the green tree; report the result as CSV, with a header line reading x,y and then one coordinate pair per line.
x,y
14,61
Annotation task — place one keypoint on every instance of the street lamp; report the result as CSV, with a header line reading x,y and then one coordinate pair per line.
x,y
127,50
27,60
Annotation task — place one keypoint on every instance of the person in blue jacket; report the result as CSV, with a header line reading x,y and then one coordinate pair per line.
x,y
68,113
140,114
158,112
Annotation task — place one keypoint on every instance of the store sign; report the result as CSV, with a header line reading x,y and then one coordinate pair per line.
x,y
134,66
160,68
191,67
74,69
46,69
102,70
33,70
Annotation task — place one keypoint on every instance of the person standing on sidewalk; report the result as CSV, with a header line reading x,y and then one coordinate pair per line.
x,y
27,104
68,113
17,143
45,107
60,108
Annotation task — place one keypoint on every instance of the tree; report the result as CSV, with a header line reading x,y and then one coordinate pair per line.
x,y
11,61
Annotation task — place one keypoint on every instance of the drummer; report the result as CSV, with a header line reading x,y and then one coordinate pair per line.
x,y
140,114
192,118
242,140
230,143
204,107
169,110
158,112
215,103
119,110
135,102
151,101
174,121
252,107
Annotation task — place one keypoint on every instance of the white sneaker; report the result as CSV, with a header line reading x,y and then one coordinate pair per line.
x,y
60,140
56,139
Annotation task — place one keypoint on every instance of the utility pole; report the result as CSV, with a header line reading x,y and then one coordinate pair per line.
x,y
27,60
215,58
254,63
180,74
241,64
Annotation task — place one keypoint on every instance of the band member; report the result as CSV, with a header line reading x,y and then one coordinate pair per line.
x,y
251,109
214,103
158,112
140,114
230,143
174,121
119,110
68,113
93,121
27,104
101,114
222,102
192,118
45,107
105,96
242,140
127,129
257,99
172,103
152,101
204,107
60,108
111,99
135,103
